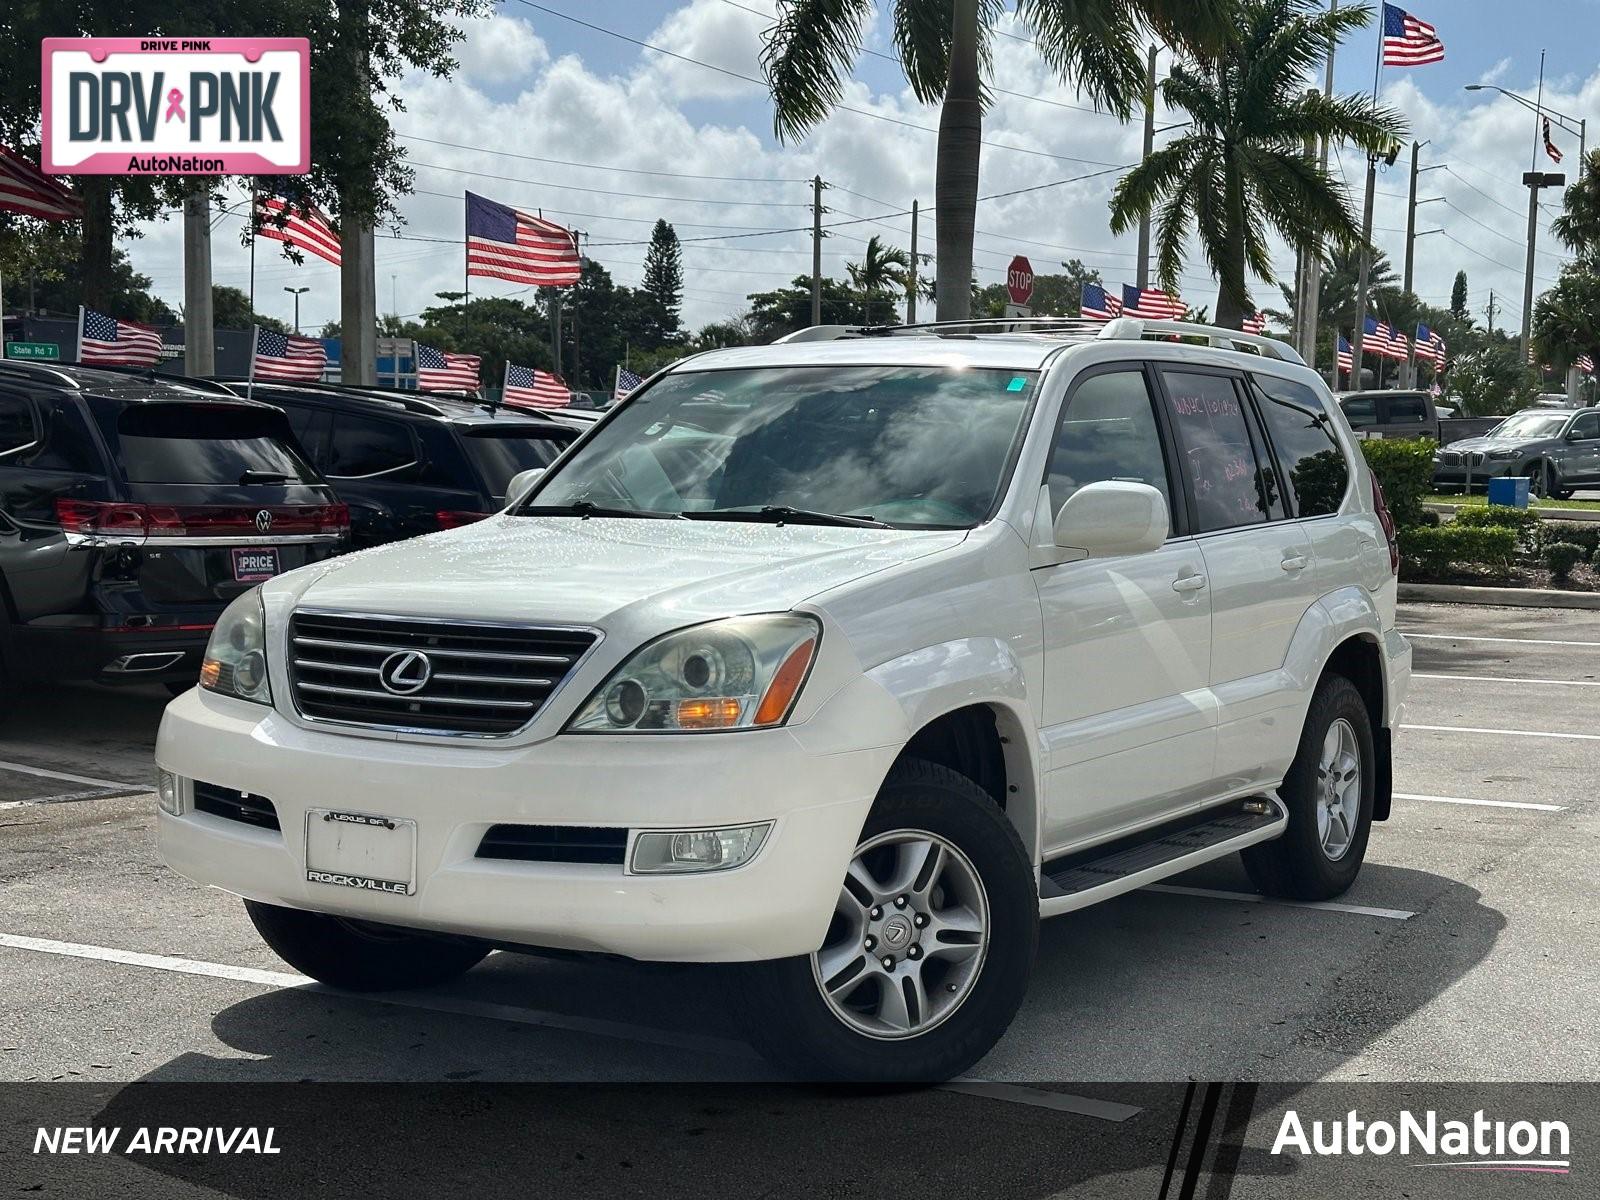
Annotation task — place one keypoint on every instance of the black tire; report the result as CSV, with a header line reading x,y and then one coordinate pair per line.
x,y
792,1025
359,956
1295,866
1541,479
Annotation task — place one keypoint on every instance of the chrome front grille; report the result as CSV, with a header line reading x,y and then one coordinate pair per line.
x,y
450,677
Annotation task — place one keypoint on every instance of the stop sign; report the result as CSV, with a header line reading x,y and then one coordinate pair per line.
x,y
1019,280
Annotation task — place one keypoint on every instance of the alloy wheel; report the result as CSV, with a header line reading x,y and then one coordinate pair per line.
x,y
1338,789
908,938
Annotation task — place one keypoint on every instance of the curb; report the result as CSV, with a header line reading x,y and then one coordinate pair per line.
x,y
1454,593
1544,514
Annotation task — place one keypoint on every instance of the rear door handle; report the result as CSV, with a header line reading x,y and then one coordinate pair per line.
x,y
1294,562
1189,583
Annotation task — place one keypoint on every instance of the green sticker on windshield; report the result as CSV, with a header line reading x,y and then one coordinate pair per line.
x,y
1017,383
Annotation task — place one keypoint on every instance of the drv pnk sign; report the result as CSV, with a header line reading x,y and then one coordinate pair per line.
x,y
177,106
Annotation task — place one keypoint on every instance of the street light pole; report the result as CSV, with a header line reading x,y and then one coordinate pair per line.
x,y
296,293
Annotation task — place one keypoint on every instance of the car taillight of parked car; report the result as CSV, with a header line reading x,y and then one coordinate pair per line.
x,y
244,522
1386,519
455,519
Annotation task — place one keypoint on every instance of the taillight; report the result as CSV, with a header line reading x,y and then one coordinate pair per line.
x,y
1386,519
336,518
455,519
102,518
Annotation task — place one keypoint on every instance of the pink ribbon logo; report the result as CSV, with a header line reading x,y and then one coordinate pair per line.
x,y
174,105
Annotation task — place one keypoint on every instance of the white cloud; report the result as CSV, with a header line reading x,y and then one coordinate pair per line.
x,y
499,49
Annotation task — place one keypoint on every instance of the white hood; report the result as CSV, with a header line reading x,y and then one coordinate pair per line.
x,y
571,570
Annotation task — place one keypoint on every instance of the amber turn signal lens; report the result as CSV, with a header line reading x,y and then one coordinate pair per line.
x,y
720,712
785,684
210,671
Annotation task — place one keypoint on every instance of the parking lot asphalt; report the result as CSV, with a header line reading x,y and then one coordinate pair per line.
x,y
1464,952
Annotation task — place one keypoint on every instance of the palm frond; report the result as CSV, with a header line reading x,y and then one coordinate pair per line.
x,y
922,33
1096,44
807,56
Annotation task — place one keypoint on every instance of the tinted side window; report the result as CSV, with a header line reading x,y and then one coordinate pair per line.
x,y
1307,450
1231,487
1108,431
18,429
1360,410
1586,425
1407,409
363,446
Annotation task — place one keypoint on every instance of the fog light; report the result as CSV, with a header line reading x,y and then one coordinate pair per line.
x,y
167,794
660,852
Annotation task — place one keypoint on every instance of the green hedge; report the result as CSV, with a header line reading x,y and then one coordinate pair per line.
x,y
1577,533
1433,550
1561,557
1404,467
1522,522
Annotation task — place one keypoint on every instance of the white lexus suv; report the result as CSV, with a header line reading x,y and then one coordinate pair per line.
x,y
843,660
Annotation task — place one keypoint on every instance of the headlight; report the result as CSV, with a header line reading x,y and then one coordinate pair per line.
x,y
739,673
236,656
1501,455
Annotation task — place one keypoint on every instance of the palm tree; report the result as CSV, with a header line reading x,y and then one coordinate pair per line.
x,y
944,50
1241,167
880,268
1578,226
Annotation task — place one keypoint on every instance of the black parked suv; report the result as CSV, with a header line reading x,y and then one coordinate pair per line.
x,y
133,508
409,464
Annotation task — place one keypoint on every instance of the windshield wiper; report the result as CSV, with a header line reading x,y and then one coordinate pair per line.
x,y
587,509
783,514
250,477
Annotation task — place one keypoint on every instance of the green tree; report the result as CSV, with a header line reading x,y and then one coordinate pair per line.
x,y
1458,297
1492,381
1053,295
230,309
1240,171
719,335
1578,226
1566,319
944,49
784,310
662,284
42,263
882,272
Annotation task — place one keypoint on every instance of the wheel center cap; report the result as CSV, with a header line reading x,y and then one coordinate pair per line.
x,y
897,932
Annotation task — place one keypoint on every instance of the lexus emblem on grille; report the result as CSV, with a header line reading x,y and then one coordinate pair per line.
x,y
263,520
405,672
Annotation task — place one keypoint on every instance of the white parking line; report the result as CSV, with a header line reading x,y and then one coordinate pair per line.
x,y
72,797
1538,733
1360,910
1483,803
1454,637
432,1003
1505,679
42,773
1083,1106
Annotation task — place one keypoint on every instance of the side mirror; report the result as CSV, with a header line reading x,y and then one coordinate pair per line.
x,y
1112,518
521,484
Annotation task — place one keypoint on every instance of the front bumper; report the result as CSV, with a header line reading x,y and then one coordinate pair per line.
x,y
774,906
1479,474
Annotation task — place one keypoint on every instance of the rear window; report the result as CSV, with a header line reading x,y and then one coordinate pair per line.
x,y
205,443
498,454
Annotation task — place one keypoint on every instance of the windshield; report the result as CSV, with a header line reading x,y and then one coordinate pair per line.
x,y
918,447
498,454
1531,425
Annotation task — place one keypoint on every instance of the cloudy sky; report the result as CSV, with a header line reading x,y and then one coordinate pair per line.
x,y
553,99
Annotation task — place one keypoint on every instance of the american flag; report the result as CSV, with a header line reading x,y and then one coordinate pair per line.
x,y
287,356
1550,147
442,371
1346,356
626,382
529,387
27,190
302,226
1408,42
106,341
1152,303
1380,338
1585,364
1097,305
1430,346
507,243
1255,322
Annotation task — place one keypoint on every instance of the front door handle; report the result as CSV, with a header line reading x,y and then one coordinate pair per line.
x,y
1189,583
1294,562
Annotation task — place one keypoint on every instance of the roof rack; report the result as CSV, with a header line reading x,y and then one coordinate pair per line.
x,y
1076,329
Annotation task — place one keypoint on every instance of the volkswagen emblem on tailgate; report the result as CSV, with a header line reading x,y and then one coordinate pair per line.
x,y
264,520
405,672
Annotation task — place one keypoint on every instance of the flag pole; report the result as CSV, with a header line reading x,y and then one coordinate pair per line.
x,y
616,382
2,311
1357,338
79,358
252,219
250,384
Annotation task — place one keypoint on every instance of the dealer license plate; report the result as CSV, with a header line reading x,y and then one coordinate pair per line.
x,y
252,566
361,850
